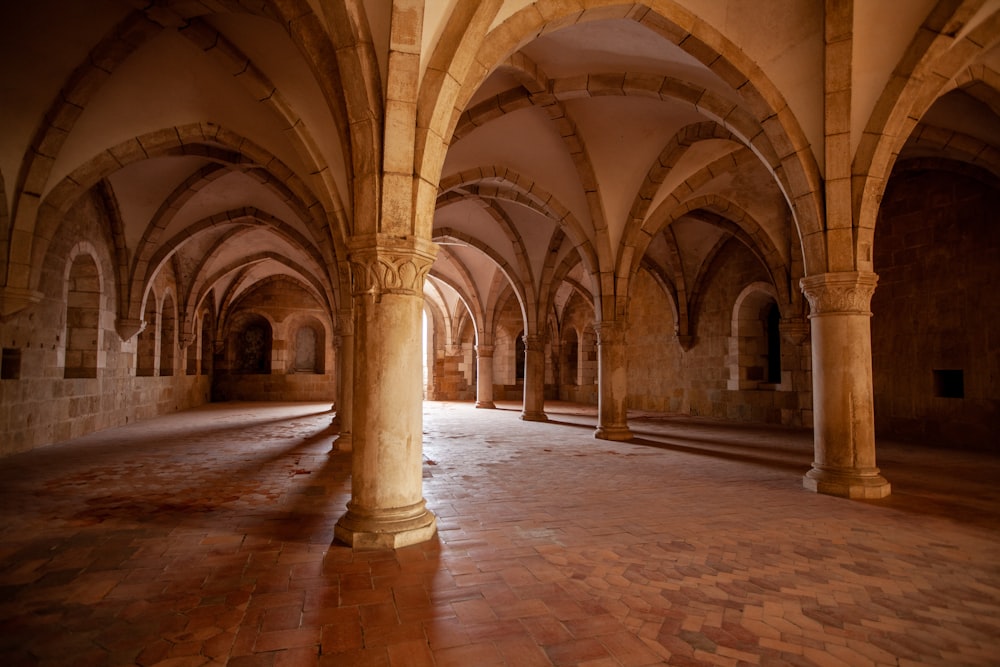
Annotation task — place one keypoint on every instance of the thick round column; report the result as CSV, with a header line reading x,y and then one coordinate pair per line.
x,y
345,378
612,382
387,508
843,404
534,379
484,376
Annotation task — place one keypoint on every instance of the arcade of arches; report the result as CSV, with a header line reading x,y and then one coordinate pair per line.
x,y
776,212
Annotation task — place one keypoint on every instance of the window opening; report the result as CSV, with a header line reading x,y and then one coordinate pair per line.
x,y
83,316
773,345
519,357
949,383
10,366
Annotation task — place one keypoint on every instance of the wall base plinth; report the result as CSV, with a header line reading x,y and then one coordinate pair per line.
x,y
385,529
616,433
847,482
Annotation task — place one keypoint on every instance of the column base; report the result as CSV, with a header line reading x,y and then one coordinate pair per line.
x,y
534,416
490,405
616,433
343,443
847,482
385,529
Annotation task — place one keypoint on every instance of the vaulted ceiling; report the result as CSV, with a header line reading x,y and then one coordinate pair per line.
x,y
219,136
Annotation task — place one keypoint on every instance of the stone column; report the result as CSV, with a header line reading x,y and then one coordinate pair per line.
x,y
612,382
345,384
843,405
484,376
534,379
387,508
338,343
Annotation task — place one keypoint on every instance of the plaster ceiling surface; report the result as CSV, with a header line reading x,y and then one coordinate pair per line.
x,y
469,218
273,52
141,188
529,143
252,276
444,296
189,88
232,192
477,267
696,239
41,42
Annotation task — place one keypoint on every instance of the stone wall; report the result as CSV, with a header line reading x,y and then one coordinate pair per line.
x,y
936,310
262,356
663,376
712,378
274,387
453,374
42,398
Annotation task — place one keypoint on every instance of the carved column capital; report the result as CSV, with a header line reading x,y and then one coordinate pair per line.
x,y
385,264
484,350
848,292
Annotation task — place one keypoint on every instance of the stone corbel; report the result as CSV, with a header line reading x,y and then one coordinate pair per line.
x,y
14,299
794,331
128,327
686,341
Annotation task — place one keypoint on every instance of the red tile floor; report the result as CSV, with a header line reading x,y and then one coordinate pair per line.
x,y
205,538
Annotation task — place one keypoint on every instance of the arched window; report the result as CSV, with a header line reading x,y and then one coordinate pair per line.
x,y
253,347
755,343
308,356
145,364
519,356
206,345
83,315
773,317
571,358
168,337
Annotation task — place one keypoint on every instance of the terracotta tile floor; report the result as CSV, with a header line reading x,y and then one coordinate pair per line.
x,y
204,538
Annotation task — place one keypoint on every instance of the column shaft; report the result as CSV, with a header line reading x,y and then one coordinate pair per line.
x,y
484,376
843,403
387,508
612,382
534,379
345,396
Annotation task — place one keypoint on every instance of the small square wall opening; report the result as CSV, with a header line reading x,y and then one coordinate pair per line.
x,y
10,364
949,383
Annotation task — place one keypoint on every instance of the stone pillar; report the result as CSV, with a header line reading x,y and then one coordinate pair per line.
x,y
484,376
843,405
534,379
612,382
338,343
387,508
345,382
